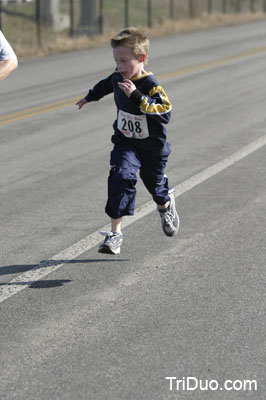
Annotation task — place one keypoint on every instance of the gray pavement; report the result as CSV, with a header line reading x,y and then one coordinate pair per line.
x,y
103,327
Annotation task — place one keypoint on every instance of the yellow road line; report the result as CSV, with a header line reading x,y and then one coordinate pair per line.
x,y
16,116
220,61
32,112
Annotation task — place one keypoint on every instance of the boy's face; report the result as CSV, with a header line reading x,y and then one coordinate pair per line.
x,y
127,63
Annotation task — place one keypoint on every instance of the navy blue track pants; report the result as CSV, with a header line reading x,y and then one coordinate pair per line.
x,y
125,162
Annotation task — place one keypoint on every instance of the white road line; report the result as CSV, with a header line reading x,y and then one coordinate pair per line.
x,y
87,243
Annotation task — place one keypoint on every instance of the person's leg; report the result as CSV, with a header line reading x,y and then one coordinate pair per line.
x,y
121,195
155,180
152,173
116,225
124,164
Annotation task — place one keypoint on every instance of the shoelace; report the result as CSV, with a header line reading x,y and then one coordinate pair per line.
x,y
106,233
168,217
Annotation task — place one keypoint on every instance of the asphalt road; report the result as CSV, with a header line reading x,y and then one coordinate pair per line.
x,y
77,325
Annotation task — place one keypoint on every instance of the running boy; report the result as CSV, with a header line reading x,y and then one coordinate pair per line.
x,y
140,141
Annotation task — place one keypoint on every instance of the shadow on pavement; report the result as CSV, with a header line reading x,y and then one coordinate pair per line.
x,y
15,269
42,284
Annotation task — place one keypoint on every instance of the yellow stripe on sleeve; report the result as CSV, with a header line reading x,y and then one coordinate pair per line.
x,y
156,108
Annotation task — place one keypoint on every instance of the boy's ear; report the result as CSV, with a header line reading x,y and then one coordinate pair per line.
x,y
142,57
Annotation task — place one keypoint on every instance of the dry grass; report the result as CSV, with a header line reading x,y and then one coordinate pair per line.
x,y
207,21
64,44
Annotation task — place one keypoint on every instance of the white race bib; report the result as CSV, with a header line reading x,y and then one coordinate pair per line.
x,y
132,125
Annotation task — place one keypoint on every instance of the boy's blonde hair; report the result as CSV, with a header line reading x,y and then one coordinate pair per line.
x,y
134,38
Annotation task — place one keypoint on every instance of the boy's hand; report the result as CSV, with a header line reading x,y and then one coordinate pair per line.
x,y
81,103
127,86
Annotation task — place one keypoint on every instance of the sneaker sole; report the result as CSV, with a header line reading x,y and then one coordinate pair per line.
x,y
107,250
170,234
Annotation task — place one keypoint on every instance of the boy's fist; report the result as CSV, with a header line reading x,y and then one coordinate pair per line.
x,y
127,86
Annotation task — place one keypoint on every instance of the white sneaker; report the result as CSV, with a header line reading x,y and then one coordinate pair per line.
x,y
169,217
111,243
